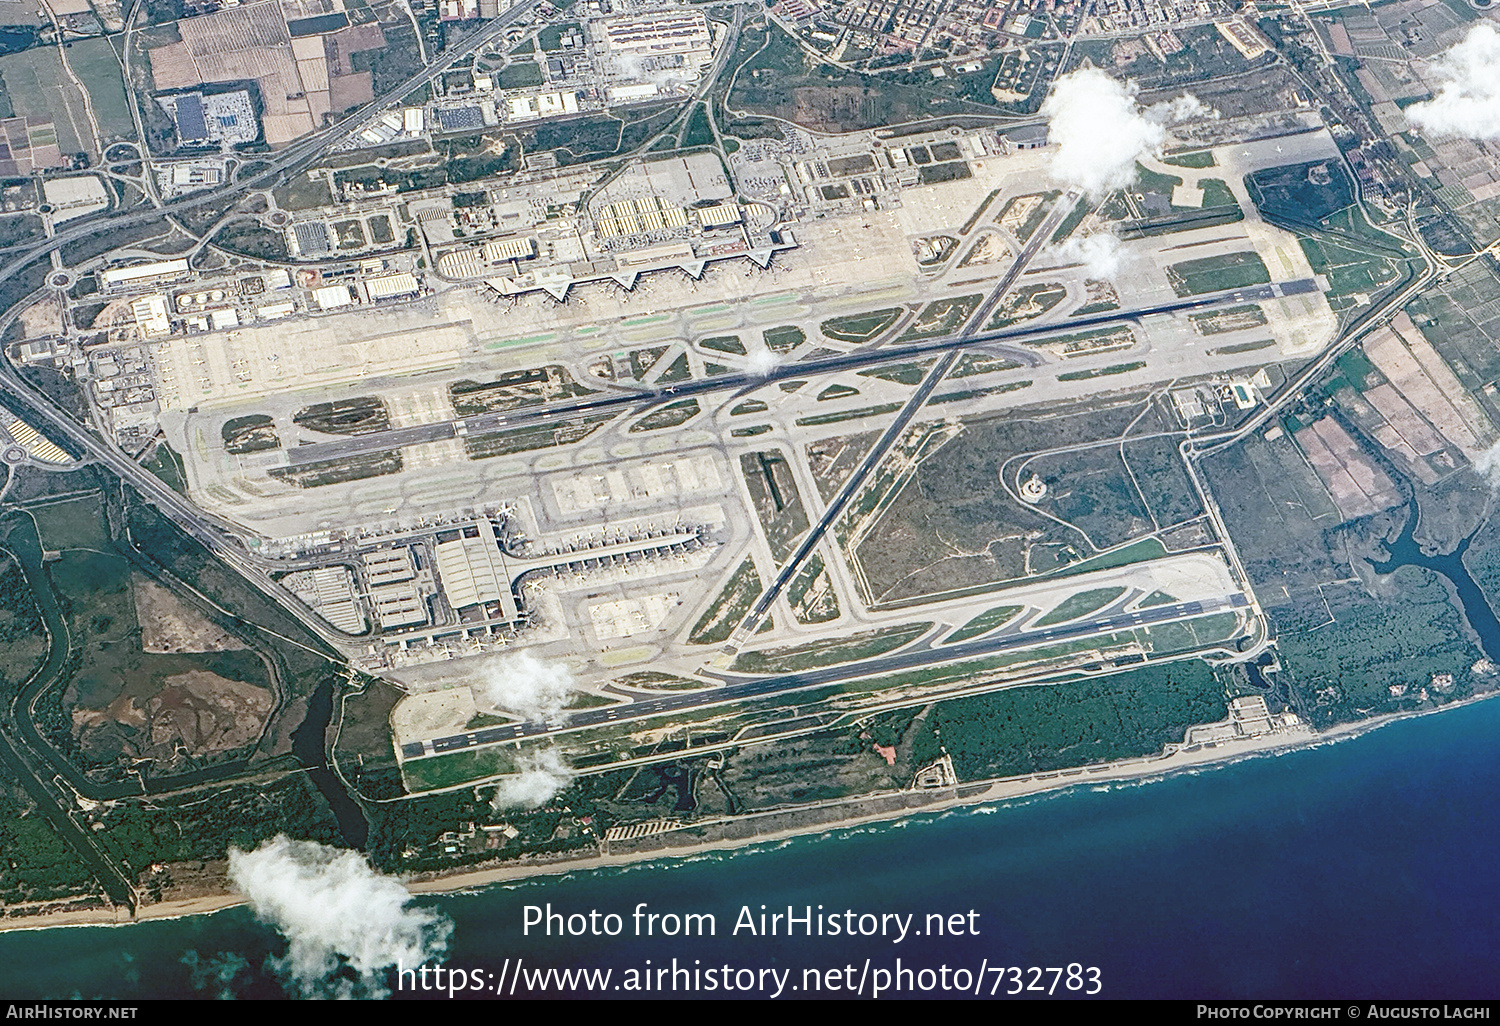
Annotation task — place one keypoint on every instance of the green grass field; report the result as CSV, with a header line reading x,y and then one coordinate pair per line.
x,y
167,465
1200,159
1353,267
668,416
723,344
37,86
535,436
860,328
784,339
983,623
829,651
1101,372
1081,604
834,418
331,472
521,75
720,619
942,317
1218,273
901,373
1216,193
447,770
1075,217
95,63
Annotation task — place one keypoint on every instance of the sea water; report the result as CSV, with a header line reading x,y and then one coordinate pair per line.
x,y
1360,868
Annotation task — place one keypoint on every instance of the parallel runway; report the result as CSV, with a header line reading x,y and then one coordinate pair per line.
x,y
787,683
993,341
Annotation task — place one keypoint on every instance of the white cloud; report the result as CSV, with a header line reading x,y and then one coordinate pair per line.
x,y
542,775
1488,465
520,683
1101,131
1175,111
1101,254
344,923
761,360
1468,97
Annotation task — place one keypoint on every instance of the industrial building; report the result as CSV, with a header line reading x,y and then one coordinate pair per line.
x,y
139,275
472,571
665,32
720,215
150,315
398,605
643,214
312,238
633,93
389,566
1026,137
513,248
474,261
331,297
329,591
227,119
398,597
545,105
392,286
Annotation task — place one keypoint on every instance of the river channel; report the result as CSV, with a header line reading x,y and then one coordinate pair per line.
x,y
1405,551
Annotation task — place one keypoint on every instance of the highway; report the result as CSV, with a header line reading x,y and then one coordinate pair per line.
x,y
287,160
208,530
1003,641
226,541
217,535
1367,322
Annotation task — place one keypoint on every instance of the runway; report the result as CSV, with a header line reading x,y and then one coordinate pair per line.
x,y
993,341
763,687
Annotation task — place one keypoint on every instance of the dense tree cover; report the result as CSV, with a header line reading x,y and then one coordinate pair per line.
x,y
19,617
35,863
1052,726
405,835
206,826
1345,659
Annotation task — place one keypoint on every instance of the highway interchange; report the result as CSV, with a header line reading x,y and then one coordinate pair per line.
x,y
230,543
289,160
217,535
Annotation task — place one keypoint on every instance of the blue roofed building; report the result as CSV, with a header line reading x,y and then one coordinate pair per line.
x,y
191,125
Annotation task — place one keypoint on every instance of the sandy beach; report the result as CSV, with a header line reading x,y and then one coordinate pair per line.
x,y
971,793
118,917
772,826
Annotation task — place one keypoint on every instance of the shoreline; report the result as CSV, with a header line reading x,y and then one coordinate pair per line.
x,y
990,791
963,795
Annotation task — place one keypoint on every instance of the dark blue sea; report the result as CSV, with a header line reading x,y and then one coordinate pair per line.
x,y
1361,868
